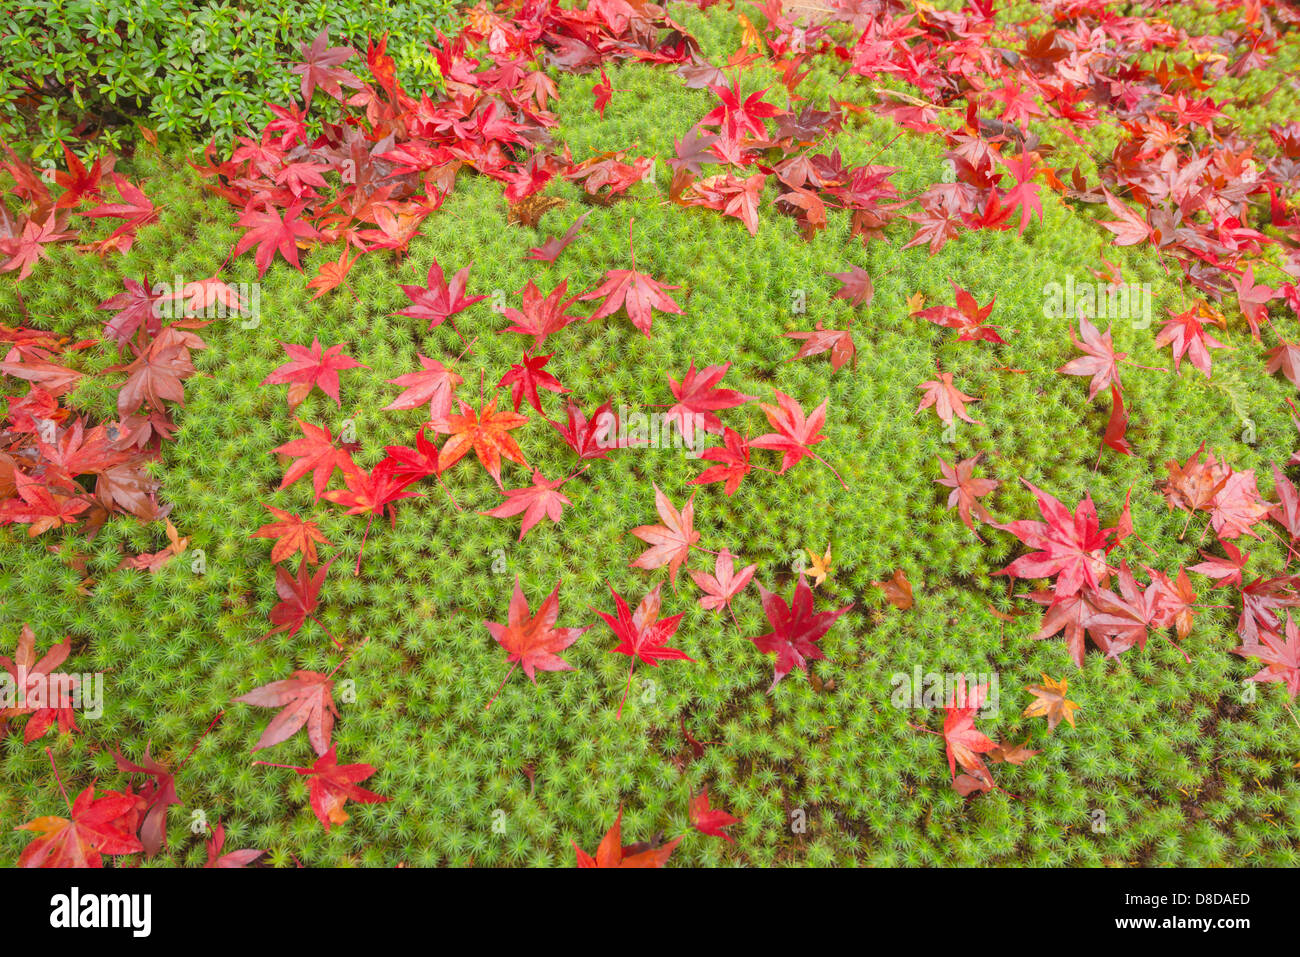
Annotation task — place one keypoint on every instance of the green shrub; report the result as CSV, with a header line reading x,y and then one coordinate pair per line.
x,y
189,70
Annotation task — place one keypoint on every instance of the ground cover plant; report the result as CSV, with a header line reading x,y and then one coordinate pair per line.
x,y
693,435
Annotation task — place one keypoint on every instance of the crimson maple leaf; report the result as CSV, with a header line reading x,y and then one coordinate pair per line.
x,y
1252,299
298,599
642,635
1186,336
437,300
592,438
733,459
333,785
542,316
1225,571
36,679
724,584
709,820
135,210
839,342
488,434
541,499
305,699
1130,228
796,629
135,310
698,394
968,317
1025,193
526,377
309,367
29,247
434,384
550,250
292,535
612,853
159,794
634,291
1072,546
270,232
230,859
316,453
963,742
97,827
321,67
1281,658
855,286
532,641
795,433
670,543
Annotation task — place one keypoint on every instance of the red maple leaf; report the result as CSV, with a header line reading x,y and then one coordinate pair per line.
x,y
698,394
724,584
488,434
733,459
1072,546
270,232
97,827
542,316
796,629
612,853
532,641
1101,361
634,291
437,300
321,67
526,377
1281,659
642,635
968,317
317,454
305,699
541,499
309,367
298,599
670,543
333,785
434,384
709,820
292,535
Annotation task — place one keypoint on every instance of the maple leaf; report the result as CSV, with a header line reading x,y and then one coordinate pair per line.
x,y
321,67
437,300
270,232
592,438
1050,703
532,641
709,820
1130,228
542,316
488,434
230,859
855,286
306,699
1116,425
1186,336
159,795
136,310
1101,360
967,490
29,247
634,291
724,584
1071,546
541,499
820,569
897,589
795,433
135,210
434,384
298,599
964,742
796,629
1281,659
670,543
733,456
968,317
526,377
729,195
1285,356
333,785
698,394
157,375
316,453
1225,571
550,250
1195,485
292,535
329,277
1252,299
642,635
78,182
612,853
309,367
38,506
1237,506
96,828
1011,753
839,342
947,399
37,681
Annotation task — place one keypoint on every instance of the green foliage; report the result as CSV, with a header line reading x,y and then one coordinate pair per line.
x,y
1184,768
69,68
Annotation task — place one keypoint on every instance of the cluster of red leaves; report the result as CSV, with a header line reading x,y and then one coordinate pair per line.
x,y
612,852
